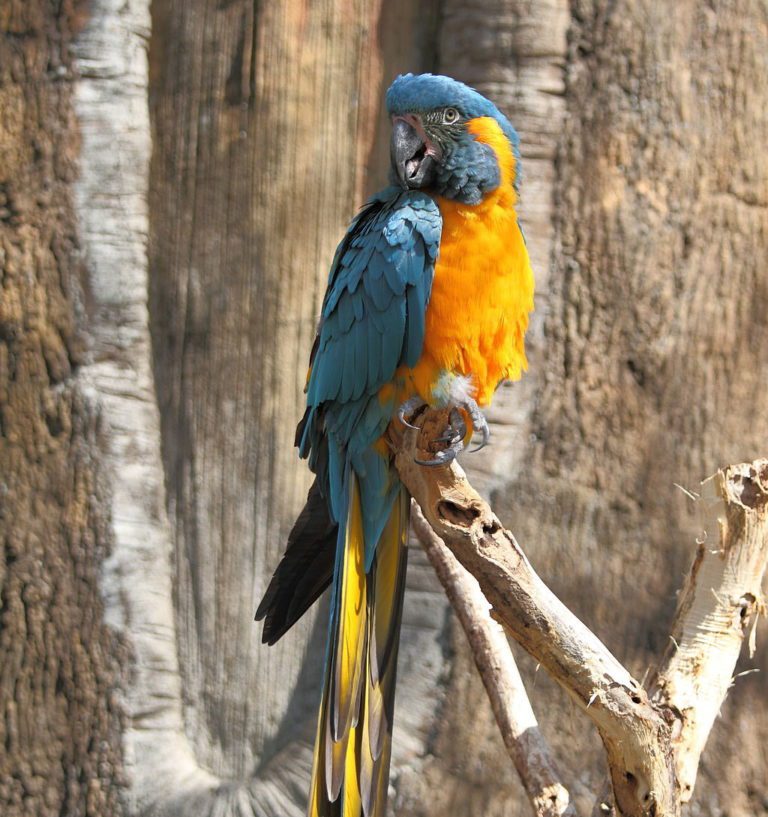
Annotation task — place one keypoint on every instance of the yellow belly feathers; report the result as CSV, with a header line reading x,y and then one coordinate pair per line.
x,y
482,291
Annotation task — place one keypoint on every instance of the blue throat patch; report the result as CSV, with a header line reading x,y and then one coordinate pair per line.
x,y
468,172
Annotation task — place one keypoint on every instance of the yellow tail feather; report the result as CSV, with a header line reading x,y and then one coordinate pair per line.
x,y
351,622
353,745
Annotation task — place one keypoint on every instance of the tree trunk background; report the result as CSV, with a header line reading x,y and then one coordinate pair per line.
x,y
60,717
155,324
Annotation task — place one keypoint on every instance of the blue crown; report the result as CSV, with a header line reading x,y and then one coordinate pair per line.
x,y
411,93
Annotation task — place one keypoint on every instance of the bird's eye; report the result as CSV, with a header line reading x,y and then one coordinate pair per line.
x,y
451,116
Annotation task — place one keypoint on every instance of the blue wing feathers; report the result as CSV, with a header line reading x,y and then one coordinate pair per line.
x,y
359,307
344,393
414,326
345,314
360,362
371,348
372,322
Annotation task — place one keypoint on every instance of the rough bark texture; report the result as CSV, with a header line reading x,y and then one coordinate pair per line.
x,y
657,339
655,351
60,720
645,186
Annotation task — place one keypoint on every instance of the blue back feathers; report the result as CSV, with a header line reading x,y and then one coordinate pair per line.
x,y
372,322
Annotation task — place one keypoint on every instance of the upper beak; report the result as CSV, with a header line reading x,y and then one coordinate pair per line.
x,y
411,158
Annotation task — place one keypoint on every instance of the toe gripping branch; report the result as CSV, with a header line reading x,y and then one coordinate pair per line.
x,y
453,433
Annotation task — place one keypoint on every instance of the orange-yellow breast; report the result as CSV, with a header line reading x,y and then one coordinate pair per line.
x,y
483,287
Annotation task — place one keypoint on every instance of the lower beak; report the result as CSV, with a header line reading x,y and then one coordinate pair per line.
x,y
410,160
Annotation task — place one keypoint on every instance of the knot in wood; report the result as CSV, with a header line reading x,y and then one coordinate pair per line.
x,y
749,484
455,514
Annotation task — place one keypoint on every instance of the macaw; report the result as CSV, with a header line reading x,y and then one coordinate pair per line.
x,y
428,300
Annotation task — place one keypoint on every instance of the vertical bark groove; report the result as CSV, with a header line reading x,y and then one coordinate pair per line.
x,y
655,354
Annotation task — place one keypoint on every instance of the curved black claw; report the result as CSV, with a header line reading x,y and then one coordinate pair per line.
x,y
479,423
407,410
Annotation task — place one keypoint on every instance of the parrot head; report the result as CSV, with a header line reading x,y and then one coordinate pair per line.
x,y
449,139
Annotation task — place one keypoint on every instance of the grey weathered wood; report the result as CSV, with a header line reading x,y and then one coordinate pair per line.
x,y
718,610
60,665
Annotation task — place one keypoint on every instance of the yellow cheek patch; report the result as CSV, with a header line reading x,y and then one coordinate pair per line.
x,y
488,131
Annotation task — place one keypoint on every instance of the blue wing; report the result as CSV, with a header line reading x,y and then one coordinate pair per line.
x,y
372,322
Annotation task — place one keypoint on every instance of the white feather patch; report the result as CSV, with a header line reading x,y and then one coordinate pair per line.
x,y
453,390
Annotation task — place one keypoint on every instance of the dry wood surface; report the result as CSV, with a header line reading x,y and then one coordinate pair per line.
x,y
652,745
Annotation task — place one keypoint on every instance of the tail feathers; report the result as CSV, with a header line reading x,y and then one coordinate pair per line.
x,y
305,570
350,776
349,630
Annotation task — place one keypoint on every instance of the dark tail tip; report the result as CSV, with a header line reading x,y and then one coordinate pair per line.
x,y
304,571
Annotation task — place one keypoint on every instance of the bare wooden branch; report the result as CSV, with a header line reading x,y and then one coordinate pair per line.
x,y
635,735
517,722
653,745
718,609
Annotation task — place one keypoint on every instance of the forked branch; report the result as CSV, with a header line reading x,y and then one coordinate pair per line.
x,y
718,610
637,731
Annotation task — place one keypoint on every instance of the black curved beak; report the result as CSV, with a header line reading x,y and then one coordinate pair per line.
x,y
408,150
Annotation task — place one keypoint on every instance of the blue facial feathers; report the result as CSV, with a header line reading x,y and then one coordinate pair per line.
x,y
415,93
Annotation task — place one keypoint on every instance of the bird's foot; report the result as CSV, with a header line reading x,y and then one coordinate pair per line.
x,y
409,409
456,432
479,423
454,435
